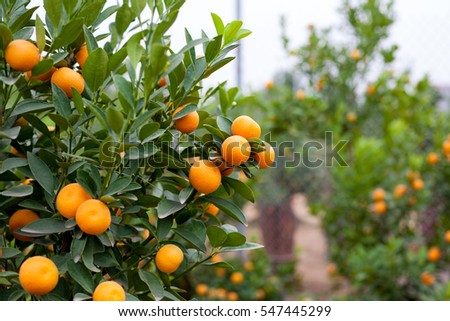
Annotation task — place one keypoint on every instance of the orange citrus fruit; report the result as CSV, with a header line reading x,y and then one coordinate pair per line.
x,y
378,194
249,266
447,236
246,127
237,277
427,278
225,170
400,190
351,117
236,150
417,184
380,207
15,152
232,296
300,94
20,219
168,258
205,176
162,82
93,217
69,198
38,275
412,175
331,269
82,55
371,90
266,157
109,291
356,54
269,85
201,289
22,55
446,147
212,209
66,79
434,254
186,124
433,158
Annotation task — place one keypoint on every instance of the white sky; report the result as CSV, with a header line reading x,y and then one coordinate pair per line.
x,y
421,30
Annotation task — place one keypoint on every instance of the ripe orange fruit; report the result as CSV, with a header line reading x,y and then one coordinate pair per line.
x,y
356,54
201,289
433,158
93,217
236,150
109,291
447,236
19,219
44,77
331,269
269,85
266,157
38,275
378,194
232,296
400,191
446,147
237,277
221,293
371,90
168,258
249,266
300,94
162,82
69,198
82,55
22,55
417,184
412,175
434,254
380,207
205,176
212,209
246,127
225,170
66,79
186,124
16,152
427,278
351,117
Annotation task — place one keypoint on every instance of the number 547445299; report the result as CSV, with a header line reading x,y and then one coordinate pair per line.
x,y
304,310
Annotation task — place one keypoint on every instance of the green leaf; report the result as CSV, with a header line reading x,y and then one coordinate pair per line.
x,y
190,238
68,34
5,36
124,18
30,105
118,185
44,226
53,9
115,119
142,151
218,24
42,174
18,191
34,205
42,67
40,33
167,207
224,124
22,20
9,253
213,48
147,130
12,163
91,42
216,235
99,114
77,248
242,33
61,102
186,110
91,12
95,70
164,227
231,31
81,275
135,50
117,58
234,239
185,194
217,66
245,247
224,265
11,133
228,207
153,283
240,188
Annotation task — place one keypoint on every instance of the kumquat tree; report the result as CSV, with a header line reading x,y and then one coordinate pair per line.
x,y
113,167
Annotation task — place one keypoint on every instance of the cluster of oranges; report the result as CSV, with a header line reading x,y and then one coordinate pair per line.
x,y
206,175
23,56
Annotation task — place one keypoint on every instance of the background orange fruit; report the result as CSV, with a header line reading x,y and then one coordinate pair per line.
x,y
109,291
246,127
434,254
186,124
380,207
69,198
265,158
19,219
205,176
427,278
168,258
93,217
66,79
38,275
378,194
22,55
201,289
236,150
400,190
237,277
